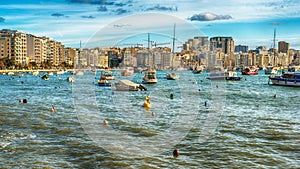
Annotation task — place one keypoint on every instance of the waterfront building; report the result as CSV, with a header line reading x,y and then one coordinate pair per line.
x,y
5,45
283,47
70,55
241,48
18,45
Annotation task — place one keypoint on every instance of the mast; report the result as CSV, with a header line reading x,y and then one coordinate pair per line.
x,y
274,46
173,46
149,50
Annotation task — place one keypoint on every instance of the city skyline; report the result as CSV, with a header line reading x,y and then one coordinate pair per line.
x,y
250,23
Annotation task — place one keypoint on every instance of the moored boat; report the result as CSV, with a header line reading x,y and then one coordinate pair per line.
x,y
107,76
172,76
102,82
127,85
150,76
128,71
286,79
252,70
70,79
233,76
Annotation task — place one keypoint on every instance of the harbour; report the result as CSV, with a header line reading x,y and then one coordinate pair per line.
x,y
258,126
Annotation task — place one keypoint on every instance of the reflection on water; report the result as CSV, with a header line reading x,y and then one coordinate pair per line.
x,y
256,129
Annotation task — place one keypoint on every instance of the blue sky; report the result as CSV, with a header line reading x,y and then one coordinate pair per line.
x,y
249,22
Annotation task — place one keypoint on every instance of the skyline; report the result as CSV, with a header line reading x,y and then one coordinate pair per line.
x,y
250,23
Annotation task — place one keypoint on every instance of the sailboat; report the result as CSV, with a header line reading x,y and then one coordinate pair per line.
x,y
150,74
269,69
172,75
78,71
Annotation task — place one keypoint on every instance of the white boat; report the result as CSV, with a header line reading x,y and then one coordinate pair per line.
x,y
286,79
270,70
107,76
233,76
172,76
35,73
128,71
150,77
70,79
50,74
61,72
10,73
127,85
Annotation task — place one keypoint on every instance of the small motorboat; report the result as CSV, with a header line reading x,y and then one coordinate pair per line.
x,y
172,76
127,85
286,79
150,77
104,83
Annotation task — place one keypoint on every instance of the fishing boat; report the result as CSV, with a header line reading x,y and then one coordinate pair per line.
x,y
127,85
172,76
107,76
286,79
105,83
252,70
150,77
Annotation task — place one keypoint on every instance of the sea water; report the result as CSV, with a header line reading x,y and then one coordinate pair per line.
x,y
213,124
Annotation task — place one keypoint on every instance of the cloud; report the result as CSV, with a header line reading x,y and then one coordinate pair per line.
x,y
275,23
161,8
93,2
2,19
120,11
88,17
209,17
102,9
57,14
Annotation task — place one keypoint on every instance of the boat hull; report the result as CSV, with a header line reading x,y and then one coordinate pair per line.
x,y
285,82
249,73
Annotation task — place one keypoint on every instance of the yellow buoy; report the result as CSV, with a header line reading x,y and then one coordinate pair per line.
x,y
147,103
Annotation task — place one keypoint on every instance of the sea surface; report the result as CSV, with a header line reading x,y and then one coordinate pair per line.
x,y
213,124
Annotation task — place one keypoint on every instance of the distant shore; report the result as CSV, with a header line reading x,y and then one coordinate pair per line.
x,y
33,70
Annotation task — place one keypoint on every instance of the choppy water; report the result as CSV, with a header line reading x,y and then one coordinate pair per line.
x,y
218,124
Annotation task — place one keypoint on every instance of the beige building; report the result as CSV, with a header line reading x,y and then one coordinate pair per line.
x,y
5,45
18,43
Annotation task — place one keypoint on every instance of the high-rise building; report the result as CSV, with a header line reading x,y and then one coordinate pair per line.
x,y
283,47
18,48
222,44
5,44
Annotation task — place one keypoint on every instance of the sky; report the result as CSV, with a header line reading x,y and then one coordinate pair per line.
x,y
124,22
